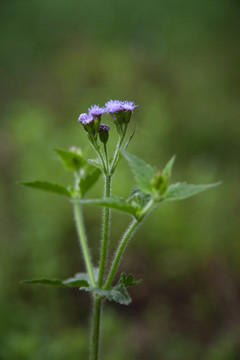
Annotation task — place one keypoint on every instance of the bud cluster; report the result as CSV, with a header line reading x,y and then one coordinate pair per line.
x,y
120,111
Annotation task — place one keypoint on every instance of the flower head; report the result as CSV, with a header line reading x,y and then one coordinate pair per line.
x,y
113,106
128,105
96,111
85,118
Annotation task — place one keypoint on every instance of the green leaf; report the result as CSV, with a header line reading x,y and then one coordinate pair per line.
x,y
42,281
168,168
47,186
114,203
141,198
90,178
142,171
82,276
72,160
128,280
118,294
72,282
180,191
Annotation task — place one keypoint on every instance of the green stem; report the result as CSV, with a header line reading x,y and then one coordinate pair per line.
x,y
98,151
120,251
106,155
106,220
97,305
118,148
83,242
129,232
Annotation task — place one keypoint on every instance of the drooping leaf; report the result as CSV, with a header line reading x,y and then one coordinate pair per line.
x,y
47,186
117,203
90,178
180,191
168,168
72,159
142,171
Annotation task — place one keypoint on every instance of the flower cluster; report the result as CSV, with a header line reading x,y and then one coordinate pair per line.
x,y
115,106
120,111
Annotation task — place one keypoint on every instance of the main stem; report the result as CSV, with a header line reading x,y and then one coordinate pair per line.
x,y
83,242
97,305
106,219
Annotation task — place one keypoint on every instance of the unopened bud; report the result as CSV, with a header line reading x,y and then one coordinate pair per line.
x,y
160,182
103,130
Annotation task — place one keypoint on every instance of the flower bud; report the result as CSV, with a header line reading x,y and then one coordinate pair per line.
x,y
103,131
160,182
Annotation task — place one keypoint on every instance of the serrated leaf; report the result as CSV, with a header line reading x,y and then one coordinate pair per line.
x,y
168,168
114,203
128,280
90,178
72,282
47,186
180,191
118,294
142,171
72,160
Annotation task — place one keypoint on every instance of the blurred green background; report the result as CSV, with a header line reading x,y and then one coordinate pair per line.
x,y
179,60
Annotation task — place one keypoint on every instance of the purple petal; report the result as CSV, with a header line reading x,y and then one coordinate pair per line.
x,y
85,118
129,105
96,110
113,106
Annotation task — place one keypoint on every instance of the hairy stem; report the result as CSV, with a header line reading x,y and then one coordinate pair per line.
x,y
97,306
123,243
83,242
129,232
106,220
117,152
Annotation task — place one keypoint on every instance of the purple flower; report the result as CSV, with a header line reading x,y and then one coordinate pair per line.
x,y
96,110
114,106
128,105
85,119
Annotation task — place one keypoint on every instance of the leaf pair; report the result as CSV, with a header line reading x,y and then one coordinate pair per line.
x,y
150,184
145,174
117,293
